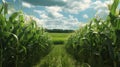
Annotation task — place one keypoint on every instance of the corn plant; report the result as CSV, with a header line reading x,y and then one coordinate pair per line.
x,y
114,19
97,44
22,44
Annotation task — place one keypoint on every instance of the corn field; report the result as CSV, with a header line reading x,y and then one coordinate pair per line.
x,y
98,43
22,44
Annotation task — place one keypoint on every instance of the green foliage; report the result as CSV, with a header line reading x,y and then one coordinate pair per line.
x,y
98,43
22,44
114,7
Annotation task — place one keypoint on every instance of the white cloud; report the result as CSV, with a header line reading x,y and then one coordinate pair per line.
x,y
41,13
52,18
65,23
38,11
75,7
54,8
101,7
99,4
102,13
28,5
56,22
43,16
14,0
62,23
64,0
85,16
87,1
54,11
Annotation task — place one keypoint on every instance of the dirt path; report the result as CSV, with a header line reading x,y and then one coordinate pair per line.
x,y
58,57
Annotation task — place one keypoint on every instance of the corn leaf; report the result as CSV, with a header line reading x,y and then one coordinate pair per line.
x,y
114,7
13,16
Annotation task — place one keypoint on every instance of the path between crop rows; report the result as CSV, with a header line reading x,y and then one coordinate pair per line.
x,y
58,57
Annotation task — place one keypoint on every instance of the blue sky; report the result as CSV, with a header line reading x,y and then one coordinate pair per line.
x,y
61,14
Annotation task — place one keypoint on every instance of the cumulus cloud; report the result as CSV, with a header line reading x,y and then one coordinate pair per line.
x,y
85,16
71,6
28,5
53,17
60,22
101,7
51,12
98,4
76,6
38,11
102,13
54,11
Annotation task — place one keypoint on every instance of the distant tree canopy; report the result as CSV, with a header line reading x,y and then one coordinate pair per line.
x,y
58,31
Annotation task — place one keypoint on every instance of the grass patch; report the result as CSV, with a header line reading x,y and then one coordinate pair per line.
x,y
57,58
59,38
